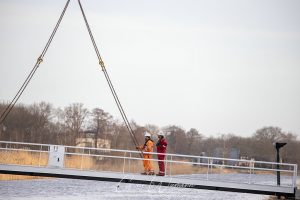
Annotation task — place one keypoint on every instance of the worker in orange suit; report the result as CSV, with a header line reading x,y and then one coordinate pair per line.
x,y
147,147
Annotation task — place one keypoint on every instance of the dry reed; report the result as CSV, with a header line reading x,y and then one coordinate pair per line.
x,y
98,164
22,158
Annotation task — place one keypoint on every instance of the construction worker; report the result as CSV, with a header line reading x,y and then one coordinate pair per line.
x,y
147,147
161,147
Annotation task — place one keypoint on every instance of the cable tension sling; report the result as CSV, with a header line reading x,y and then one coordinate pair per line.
x,y
32,72
40,59
101,63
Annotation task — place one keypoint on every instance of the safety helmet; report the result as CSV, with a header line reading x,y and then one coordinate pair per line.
x,y
160,133
147,134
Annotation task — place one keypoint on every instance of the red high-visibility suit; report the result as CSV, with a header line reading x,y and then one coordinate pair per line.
x,y
147,147
161,146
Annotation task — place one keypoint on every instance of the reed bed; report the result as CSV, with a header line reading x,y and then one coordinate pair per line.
x,y
22,158
86,162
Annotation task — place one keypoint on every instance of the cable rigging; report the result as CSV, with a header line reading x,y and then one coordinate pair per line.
x,y
101,63
32,72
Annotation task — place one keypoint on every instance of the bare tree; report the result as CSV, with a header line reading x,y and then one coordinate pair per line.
x,y
75,115
41,114
120,138
153,129
264,139
100,122
268,133
58,127
193,141
177,139
42,123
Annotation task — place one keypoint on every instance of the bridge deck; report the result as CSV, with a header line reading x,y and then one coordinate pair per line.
x,y
172,181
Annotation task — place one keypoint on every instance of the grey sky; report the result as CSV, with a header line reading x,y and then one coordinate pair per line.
x,y
218,66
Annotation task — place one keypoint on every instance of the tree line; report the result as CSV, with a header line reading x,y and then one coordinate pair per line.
x,y
43,123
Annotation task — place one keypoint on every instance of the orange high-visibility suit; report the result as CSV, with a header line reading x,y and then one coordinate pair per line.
x,y
147,147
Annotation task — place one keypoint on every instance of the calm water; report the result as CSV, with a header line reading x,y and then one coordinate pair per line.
x,y
63,189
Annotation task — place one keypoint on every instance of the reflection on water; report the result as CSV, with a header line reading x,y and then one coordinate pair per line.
x,y
63,189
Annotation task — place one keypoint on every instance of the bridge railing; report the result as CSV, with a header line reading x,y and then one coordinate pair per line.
x,y
128,161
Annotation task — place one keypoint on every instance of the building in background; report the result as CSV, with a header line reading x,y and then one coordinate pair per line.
x,y
91,139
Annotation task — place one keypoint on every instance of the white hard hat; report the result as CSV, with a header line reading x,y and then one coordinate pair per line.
x,y
147,134
160,133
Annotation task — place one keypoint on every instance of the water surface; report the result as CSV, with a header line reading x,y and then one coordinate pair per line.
x,y
65,189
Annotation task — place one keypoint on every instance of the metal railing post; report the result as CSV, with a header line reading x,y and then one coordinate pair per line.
x,y
40,156
171,165
133,170
166,167
65,157
211,164
129,165
124,163
208,163
295,176
249,178
81,159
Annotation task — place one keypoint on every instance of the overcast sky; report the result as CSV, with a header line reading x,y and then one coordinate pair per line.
x,y
217,66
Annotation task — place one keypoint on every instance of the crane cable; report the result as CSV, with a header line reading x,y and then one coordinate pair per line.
x,y
32,72
112,89
101,63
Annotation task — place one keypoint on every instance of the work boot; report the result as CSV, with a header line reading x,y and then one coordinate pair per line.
x,y
151,173
160,174
144,173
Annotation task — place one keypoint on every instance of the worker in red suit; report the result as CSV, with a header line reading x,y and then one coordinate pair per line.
x,y
161,147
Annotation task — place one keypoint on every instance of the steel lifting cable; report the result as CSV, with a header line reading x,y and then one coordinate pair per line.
x,y
108,78
32,72
40,59
101,63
